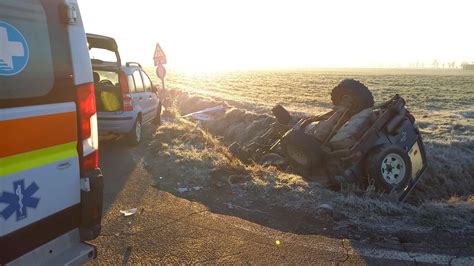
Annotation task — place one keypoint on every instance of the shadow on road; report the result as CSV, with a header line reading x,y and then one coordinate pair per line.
x,y
118,159
120,165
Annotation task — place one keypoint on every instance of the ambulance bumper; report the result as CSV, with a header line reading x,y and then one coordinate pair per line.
x,y
64,250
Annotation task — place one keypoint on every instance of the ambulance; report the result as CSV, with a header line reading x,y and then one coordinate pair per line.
x,y
50,183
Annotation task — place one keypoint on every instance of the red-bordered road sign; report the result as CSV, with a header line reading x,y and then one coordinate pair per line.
x,y
160,56
161,71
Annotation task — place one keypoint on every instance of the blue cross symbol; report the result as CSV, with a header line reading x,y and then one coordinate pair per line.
x,y
14,51
19,200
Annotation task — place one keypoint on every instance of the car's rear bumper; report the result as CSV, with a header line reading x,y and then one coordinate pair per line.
x,y
115,122
66,249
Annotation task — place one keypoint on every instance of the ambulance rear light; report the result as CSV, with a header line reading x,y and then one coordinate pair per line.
x,y
126,96
88,130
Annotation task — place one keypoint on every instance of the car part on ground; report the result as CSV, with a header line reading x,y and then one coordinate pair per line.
x,y
354,142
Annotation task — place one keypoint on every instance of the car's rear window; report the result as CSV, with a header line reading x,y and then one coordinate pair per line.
x,y
34,55
102,55
110,77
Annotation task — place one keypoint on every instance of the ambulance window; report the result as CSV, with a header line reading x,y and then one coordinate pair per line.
x,y
138,81
26,60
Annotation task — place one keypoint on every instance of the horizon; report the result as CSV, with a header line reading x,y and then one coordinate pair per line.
x,y
243,35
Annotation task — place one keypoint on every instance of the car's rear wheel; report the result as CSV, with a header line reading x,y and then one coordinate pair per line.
x,y
157,119
135,135
390,167
353,92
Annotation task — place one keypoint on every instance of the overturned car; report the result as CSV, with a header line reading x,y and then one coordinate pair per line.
x,y
356,142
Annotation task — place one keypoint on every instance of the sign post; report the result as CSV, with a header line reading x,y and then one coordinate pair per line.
x,y
161,73
160,60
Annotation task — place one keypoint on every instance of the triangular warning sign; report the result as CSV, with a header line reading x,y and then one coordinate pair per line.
x,y
159,57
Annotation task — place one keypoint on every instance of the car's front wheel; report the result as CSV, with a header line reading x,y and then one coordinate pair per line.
x,y
303,152
390,167
135,135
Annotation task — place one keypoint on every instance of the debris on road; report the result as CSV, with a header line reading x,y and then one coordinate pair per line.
x,y
229,205
129,212
325,210
182,189
326,206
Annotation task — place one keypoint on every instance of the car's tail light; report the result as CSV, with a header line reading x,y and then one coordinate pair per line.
x,y
410,116
88,134
126,96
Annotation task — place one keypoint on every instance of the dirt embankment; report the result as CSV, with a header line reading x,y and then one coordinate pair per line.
x,y
204,168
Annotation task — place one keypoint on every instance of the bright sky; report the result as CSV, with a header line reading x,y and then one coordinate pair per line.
x,y
241,34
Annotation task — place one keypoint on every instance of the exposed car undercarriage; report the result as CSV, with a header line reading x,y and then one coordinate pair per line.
x,y
355,142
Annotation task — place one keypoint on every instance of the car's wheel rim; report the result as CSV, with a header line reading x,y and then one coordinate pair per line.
x,y
297,155
138,131
393,169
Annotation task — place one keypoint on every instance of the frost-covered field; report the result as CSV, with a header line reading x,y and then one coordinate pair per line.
x,y
441,100
197,156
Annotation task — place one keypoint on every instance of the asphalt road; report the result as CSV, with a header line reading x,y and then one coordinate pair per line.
x,y
170,229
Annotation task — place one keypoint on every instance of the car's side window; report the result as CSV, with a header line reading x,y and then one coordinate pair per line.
x,y
138,82
131,84
147,82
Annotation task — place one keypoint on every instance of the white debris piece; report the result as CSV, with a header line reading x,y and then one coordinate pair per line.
x,y
325,206
206,114
182,189
129,212
197,188
229,205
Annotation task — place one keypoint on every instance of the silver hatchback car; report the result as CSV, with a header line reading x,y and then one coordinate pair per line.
x,y
127,100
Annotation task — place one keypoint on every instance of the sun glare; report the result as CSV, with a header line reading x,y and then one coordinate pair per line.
x,y
227,35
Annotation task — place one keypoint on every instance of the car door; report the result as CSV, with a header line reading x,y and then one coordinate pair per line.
x,y
151,97
139,96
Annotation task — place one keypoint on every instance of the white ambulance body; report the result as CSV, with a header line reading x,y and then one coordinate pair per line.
x,y
50,182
